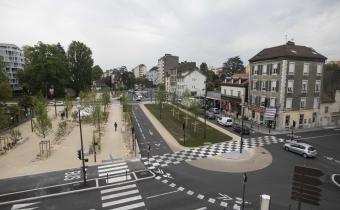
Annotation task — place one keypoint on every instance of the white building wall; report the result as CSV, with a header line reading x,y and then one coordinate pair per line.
x,y
194,82
234,91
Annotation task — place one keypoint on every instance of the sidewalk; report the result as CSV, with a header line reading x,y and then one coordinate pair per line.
x,y
250,160
22,160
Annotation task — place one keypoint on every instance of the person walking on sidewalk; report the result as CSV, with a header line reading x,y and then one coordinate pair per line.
x,y
115,126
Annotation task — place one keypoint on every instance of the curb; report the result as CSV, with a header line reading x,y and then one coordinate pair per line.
x,y
333,179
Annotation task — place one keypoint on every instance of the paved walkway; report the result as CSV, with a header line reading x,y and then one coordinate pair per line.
x,y
22,160
253,158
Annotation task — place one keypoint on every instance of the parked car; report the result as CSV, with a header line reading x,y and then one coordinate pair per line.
x,y
51,103
238,129
303,149
59,103
139,97
214,110
225,121
210,115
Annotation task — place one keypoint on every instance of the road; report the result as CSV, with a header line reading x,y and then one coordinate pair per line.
x,y
183,186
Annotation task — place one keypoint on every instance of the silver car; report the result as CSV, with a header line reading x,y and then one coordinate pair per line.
x,y
303,149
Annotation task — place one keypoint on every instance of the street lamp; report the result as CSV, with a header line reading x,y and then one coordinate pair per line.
x,y
242,110
205,110
52,94
81,143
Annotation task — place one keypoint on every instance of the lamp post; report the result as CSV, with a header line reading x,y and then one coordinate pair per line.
x,y
242,128
81,143
205,110
244,189
52,94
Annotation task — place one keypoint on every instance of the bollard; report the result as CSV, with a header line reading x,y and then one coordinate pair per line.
x,y
265,202
126,175
107,177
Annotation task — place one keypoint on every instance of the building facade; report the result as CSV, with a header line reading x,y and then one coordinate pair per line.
x,y
285,86
139,71
164,65
192,81
234,93
152,75
14,60
185,66
330,111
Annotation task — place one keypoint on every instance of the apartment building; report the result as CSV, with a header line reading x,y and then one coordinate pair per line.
x,y
192,81
164,65
285,86
152,75
14,60
139,71
185,66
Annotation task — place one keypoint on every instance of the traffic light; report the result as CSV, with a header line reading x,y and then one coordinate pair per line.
x,y
79,154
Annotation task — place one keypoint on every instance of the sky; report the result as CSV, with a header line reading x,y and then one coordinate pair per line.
x,y
132,32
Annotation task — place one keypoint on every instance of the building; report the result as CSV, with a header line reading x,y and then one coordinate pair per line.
x,y
14,60
139,71
330,110
285,86
171,81
166,63
234,93
152,75
216,70
192,81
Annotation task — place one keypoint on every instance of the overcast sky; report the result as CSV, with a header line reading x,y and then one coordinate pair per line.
x,y
130,32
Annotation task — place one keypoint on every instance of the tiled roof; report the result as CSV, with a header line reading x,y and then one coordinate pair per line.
x,y
289,50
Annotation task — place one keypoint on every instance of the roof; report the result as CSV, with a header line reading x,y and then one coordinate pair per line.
x,y
241,75
289,50
327,99
182,74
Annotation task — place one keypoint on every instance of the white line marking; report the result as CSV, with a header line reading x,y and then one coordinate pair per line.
x,y
211,200
120,194
118,188
172,185
319,136
203,208
165,181
22,205
154,196
180,188
132,206
151,133
111,165
121,201
200,196
112,169
190,192
114,172
118,179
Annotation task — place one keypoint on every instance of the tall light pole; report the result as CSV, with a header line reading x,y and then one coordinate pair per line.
x,y
242,128
81,143
205,110
244,189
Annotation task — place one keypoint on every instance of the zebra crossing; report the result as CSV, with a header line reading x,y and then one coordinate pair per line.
x,y
206,151
122,191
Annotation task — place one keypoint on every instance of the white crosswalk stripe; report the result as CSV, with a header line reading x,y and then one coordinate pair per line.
x,y
113,168
122,197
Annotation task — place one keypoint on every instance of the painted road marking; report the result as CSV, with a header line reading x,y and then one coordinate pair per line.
x,y
111,165
200,196
224,197
114,172
211,200
124,200
118,188
172,185
190,192
154,196
180,188
118,179
150,132
23,205
112,169
132,206
119,194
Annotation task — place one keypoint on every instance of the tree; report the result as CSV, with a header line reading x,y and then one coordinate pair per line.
x,y
42,123
97,72
195,108
80,63
68,105
5,87
161,98
46,66
234,64
25,102
204,68
105,99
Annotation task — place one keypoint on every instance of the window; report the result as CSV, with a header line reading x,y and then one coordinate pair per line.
x,y
272,102
303,103
239,94
263,85
287,121
291,69
255,70
253,102
290,86
289,103
317,86
263,101
264,70
231,92
254,84
225,92
273,85
316,103
304,86
306,69
319,69
275,68
326,109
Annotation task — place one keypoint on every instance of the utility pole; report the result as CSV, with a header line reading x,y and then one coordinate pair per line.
x,y
242,129
244,189
82,148
205,110
148,154
184,132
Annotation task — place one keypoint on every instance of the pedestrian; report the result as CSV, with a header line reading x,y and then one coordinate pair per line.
x,y
115,126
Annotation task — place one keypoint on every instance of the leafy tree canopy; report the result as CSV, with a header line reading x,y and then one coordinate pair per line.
x,y
204,68
233,64
5,87
97,72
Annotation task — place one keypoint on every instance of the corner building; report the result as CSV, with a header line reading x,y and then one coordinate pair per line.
x,y
285,85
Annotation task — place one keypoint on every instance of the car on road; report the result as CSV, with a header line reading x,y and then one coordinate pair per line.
x,y
59,103
214,110
238,129
51,103
139,97
225,121
210,115
303,149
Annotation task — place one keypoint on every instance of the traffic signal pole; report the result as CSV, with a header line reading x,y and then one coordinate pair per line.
x,y
82,149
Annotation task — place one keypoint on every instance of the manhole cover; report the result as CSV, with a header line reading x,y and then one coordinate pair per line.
x,y
143,174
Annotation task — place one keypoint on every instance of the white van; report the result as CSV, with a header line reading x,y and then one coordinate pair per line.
x,y
225,121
